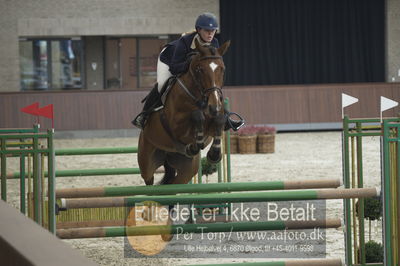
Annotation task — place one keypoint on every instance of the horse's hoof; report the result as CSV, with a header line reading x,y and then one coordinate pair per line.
x,y
167,237
191,151
214,158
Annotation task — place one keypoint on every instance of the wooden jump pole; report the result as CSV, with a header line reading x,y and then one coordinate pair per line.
x,y
194,228
195,188
210,198
84,224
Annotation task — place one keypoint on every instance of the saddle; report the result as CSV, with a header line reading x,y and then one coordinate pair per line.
x,y
166,88
155,99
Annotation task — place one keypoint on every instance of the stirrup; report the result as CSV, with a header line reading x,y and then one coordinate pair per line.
x,y
233,124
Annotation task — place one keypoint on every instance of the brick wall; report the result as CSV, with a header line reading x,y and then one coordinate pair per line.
x,y
29,18
32,18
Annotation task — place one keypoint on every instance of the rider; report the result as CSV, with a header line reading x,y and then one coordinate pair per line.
x,y
174,59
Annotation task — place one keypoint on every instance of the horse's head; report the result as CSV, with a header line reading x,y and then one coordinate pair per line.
x,y
207,69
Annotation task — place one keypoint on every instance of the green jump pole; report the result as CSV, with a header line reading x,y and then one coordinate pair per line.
x,y
87,172
35,129
213,198
95,172
96,151
193,228
194,188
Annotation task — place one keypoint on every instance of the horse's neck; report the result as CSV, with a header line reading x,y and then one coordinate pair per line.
x,y
178,98
188,80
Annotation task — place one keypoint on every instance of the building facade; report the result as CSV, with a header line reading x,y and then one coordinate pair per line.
x,y
96,59
91,44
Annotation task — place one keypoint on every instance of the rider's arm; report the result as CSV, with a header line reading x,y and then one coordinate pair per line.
x,y
178,62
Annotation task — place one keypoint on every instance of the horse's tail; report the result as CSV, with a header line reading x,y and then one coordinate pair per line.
x,y
169,174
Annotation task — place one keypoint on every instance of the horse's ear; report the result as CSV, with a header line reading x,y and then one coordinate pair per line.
x,y
224,47
200,47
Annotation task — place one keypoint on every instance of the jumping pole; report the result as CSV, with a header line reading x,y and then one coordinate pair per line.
x,y
195,188
211,198
193,228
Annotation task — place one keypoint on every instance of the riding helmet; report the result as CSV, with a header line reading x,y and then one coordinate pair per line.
x,y
207,21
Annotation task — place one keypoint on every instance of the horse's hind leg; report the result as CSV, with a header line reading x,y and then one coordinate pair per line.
x,y
185,168
149,159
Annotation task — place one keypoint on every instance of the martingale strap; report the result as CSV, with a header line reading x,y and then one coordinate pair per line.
x,y
199,102
186,89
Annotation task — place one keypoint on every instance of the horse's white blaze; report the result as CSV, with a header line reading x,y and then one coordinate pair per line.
x,y
213,66
217,99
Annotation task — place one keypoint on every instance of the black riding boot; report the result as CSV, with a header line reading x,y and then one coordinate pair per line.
x,y
233,123
152,101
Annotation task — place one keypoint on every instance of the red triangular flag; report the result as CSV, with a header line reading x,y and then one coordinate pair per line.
x,y
31,109
46,111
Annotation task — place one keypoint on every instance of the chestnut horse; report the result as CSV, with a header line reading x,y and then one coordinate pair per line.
x,y
192,116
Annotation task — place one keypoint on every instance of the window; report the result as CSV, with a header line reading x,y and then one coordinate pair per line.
x,y
51,64
149,50
131,63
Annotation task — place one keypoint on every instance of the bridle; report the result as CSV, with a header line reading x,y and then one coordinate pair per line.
x,y
205,92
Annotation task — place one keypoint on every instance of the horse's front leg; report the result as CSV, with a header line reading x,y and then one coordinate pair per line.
x,y
198,120
214,154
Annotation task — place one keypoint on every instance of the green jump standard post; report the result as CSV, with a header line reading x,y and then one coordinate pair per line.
x,y
21,134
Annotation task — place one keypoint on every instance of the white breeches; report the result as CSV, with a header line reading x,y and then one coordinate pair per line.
x,y
162,73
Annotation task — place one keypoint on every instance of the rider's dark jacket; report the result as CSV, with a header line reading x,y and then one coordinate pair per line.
x,y
175,53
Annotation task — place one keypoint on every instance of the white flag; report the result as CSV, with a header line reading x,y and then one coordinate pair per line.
x,y
386,104
348,100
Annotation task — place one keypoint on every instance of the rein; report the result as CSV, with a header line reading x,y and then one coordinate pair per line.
x,y
201,103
